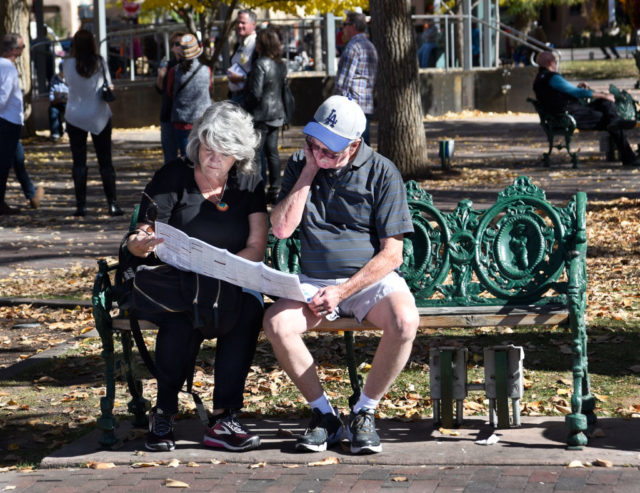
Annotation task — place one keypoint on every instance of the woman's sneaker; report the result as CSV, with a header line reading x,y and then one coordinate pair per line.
x,y
160,435
362,432
323,431
225,431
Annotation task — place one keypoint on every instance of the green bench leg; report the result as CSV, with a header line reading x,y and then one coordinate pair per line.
x,y
354,377
582,415
107,422
101,305
572,155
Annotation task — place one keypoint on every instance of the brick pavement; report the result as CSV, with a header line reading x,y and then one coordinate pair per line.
x,y
341,477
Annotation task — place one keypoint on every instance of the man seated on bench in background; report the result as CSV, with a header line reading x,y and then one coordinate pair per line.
x,y
351,206
557,95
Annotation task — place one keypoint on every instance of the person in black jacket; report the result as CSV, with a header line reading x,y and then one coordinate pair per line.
x,y
263,99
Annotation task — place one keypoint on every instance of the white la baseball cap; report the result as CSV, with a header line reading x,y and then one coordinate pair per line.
x,y
337,122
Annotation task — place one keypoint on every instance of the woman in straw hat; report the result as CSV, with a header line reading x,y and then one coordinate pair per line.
x,y
190,85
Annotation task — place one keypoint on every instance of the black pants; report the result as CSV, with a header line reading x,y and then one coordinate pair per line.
x,y
599,114
269,144
9,138
234,354
102,145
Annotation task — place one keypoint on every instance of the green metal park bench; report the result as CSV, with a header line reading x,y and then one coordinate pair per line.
x,y
520,262
564,125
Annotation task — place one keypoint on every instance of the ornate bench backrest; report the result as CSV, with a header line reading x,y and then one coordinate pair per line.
x,y
515,252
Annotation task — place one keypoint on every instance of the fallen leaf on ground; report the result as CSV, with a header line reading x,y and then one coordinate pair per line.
x,y
327,461
575,463
137,465
193,464
602,463
174,483
400,479
446,431
173,463
218,461
257,465
100,465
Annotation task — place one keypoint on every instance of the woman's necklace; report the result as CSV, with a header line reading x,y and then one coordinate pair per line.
x,y
220,205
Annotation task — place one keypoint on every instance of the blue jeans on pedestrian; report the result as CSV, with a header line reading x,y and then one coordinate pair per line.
x,y
56,117
9,138
21,172
181,139
168,140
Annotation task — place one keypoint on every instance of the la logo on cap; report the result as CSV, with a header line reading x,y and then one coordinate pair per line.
x,y
332,118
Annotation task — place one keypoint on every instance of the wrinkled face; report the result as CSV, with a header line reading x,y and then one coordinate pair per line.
x,y
244,26
327,159
213,162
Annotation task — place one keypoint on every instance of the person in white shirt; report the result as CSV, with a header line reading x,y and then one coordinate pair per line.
x,y
87,112
11,111
242,57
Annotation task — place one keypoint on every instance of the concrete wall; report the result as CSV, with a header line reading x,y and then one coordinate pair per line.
x,y
137,103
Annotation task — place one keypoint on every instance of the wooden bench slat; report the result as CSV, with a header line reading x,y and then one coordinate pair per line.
x,y
441,317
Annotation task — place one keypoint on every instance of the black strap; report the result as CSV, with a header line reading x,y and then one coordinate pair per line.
x,y
153,369
189,79
104,71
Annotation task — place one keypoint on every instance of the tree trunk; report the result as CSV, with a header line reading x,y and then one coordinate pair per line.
x,y
14,18
401,135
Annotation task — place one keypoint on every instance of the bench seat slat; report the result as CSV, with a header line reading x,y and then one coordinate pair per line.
x,y
442,317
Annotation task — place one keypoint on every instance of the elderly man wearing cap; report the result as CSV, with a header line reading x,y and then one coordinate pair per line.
x,y
351,207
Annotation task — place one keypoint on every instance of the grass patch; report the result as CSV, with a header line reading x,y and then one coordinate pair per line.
x,y
599,69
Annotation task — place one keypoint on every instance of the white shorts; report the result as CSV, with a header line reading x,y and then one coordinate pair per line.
x,y
358,305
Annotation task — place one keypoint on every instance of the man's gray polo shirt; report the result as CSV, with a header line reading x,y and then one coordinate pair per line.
x,y
347,212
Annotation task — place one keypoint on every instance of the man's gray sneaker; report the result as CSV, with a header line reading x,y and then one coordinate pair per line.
x,y
323,431
362,434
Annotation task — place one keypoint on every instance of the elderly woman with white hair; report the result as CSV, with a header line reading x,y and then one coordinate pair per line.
x,y
215,194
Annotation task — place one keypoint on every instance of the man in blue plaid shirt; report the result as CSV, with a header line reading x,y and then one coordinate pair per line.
x,y
358,66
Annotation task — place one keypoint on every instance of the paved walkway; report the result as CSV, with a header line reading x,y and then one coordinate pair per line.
x,y
416,457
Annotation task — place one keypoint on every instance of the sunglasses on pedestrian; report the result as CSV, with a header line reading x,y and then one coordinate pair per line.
x,y
313,147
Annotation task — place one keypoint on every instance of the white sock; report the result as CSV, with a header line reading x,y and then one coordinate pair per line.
x,y
322,403
365,401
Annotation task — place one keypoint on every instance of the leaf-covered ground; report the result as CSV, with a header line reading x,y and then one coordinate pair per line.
x,y
52,403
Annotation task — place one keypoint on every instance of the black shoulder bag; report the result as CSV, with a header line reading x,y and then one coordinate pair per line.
x,y
107,94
